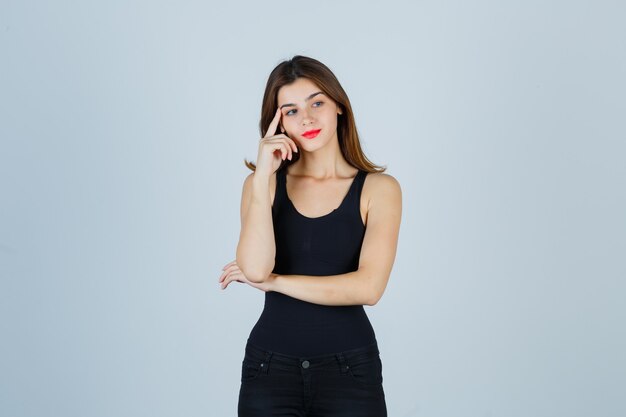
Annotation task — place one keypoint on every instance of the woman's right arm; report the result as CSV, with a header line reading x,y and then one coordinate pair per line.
x,y
256,249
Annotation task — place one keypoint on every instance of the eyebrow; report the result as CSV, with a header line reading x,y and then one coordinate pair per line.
x,y
306,99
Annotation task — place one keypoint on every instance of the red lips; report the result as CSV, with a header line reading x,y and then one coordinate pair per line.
x,y
311,133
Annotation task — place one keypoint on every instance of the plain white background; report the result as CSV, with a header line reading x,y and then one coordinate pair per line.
x,y
123,130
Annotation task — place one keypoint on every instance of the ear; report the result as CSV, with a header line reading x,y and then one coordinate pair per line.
x,y
339,111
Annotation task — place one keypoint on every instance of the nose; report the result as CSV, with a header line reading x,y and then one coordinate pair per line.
x,y
306,119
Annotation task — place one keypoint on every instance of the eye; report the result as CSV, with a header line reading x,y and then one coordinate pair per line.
x,y
289,113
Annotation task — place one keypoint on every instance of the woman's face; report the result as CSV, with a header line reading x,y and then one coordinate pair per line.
x,y
305,108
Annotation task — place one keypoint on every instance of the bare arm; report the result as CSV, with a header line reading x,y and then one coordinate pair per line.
x,y
353,288
256,249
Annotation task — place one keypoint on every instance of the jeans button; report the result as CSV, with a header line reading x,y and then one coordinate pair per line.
x,y
305,364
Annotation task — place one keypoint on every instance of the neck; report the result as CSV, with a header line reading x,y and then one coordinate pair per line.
x,y
323,163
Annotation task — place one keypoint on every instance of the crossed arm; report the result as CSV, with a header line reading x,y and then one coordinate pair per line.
x,y
366,285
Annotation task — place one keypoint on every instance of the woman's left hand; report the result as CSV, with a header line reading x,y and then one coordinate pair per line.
x,y
233,273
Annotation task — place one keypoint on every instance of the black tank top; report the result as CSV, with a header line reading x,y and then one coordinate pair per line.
x,y
326,245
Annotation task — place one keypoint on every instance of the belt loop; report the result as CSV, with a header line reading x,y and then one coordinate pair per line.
x,y
342,363
265,366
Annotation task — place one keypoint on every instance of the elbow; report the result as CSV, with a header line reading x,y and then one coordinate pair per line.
x,y
373,299
257,278
374,292
371,296
253,270
256,275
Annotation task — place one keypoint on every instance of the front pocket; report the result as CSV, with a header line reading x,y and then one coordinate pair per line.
x,y
250,370
367,372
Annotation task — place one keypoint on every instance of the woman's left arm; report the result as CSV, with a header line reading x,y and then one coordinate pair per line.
x,y
366,285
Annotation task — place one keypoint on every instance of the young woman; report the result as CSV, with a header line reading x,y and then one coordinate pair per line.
x,y
319,232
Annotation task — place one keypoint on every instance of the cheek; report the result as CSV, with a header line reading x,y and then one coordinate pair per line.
x,y
291,123
330,119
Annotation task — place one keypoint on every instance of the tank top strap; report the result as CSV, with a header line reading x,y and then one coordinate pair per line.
x,y
355,190
280,194
359,181
280,177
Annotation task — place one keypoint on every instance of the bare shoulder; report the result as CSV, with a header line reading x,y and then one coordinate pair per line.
x,y
247,184
381,186
380,197
246,192
247,189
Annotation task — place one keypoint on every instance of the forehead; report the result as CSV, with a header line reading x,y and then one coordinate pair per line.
x,y
297,91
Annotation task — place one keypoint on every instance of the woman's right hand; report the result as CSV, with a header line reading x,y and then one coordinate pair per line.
x,y
273,149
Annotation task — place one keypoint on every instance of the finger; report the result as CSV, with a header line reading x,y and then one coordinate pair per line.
x,y
223,275
233,267
227,271
288,150
271,130
226,281
230,278
291,143
229,264
282,147
291,147
286,146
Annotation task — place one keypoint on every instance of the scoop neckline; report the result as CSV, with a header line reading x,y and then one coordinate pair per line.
x,y
343,201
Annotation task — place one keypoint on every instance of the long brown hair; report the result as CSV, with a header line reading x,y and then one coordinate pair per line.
x,y
304,67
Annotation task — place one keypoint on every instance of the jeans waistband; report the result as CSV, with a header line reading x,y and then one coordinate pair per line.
x,y
352,356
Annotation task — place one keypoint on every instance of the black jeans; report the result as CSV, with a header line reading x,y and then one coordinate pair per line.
x,y
348,383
